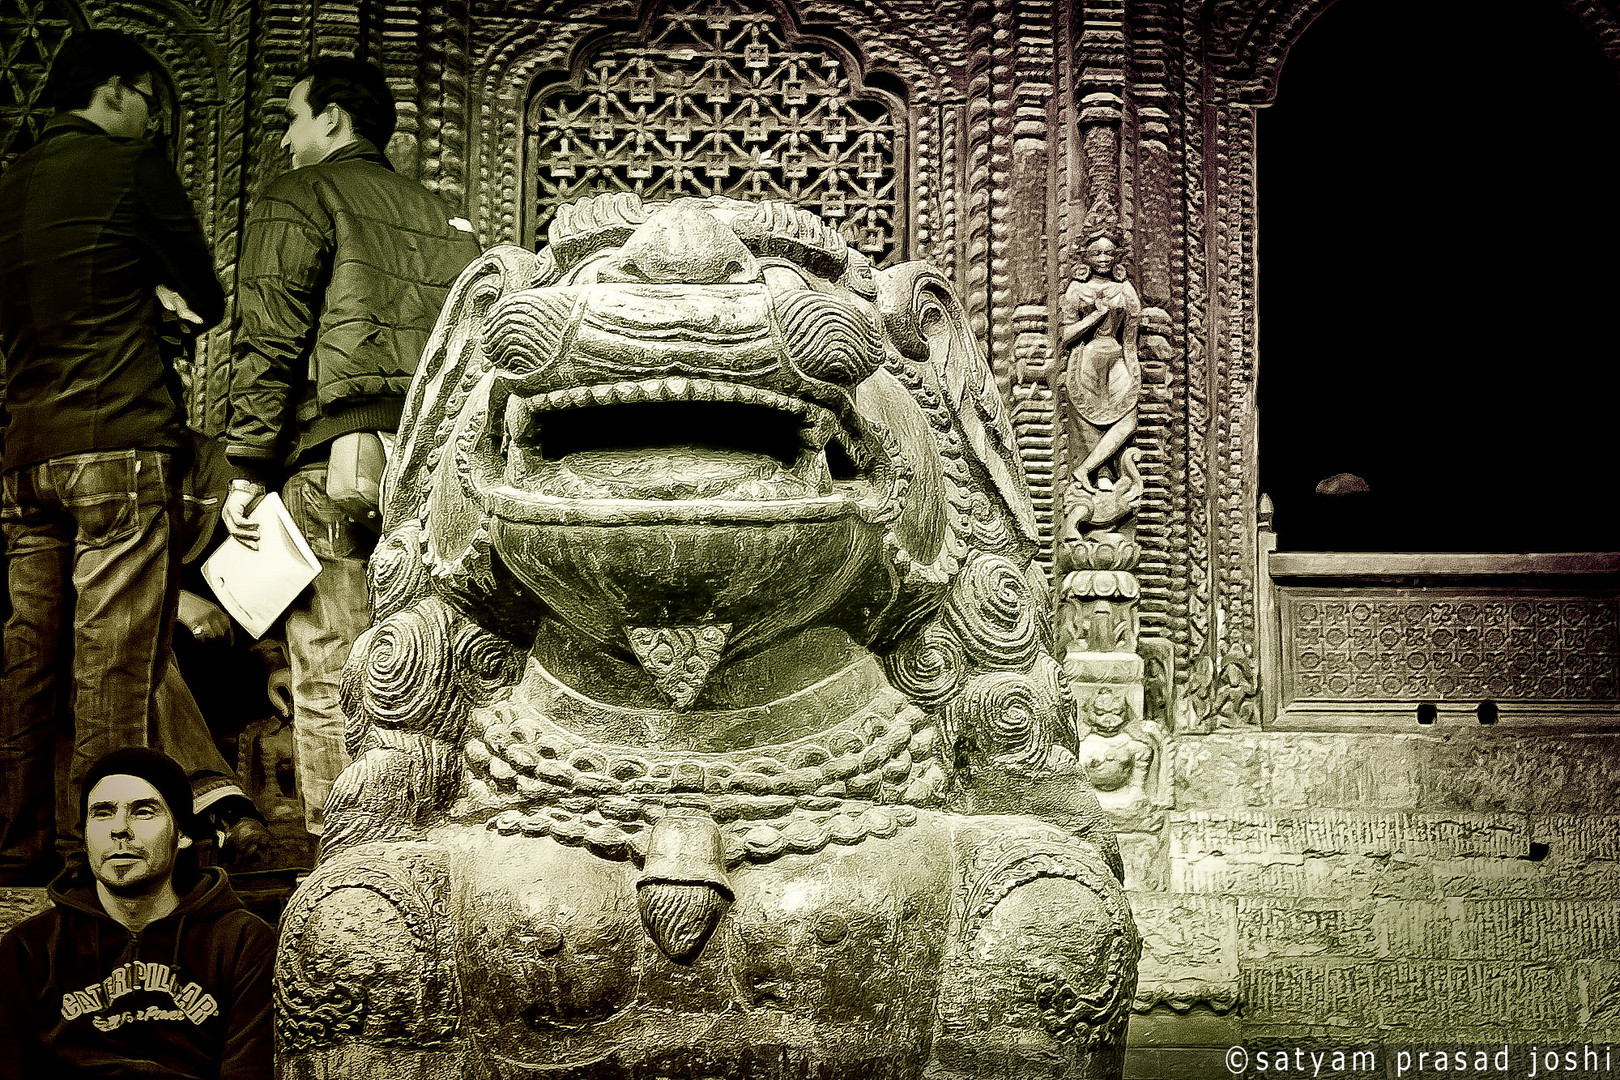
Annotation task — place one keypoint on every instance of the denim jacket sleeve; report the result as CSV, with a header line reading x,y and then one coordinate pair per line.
x,y
285,255
174,237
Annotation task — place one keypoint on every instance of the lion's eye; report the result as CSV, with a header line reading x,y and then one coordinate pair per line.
x,y
782,277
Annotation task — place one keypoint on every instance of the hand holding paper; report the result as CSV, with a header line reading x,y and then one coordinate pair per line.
x,y
257,584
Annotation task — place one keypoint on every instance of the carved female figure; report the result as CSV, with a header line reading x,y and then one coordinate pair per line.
x,y
1099,386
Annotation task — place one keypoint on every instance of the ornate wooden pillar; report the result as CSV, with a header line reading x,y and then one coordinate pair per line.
x,y
1107,361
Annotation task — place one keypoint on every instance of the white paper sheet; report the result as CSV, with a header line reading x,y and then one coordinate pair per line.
x,y
256,586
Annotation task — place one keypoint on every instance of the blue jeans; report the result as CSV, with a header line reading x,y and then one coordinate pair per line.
x,y
322,626
94,580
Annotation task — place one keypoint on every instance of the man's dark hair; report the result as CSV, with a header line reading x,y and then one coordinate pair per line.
x,y
156,768
89,58
360,89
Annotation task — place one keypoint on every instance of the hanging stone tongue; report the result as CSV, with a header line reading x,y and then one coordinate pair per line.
x,y
683,891
679,658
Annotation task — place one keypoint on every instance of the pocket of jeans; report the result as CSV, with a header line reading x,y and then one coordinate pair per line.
x,y
102,492
324,524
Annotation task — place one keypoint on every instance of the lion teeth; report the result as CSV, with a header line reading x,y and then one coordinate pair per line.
x,y
818,427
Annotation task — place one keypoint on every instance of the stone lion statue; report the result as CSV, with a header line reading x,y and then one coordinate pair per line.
x,y
708,725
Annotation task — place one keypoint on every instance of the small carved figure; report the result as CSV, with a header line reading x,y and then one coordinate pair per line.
x,y
1226,698
1100,385
1125,766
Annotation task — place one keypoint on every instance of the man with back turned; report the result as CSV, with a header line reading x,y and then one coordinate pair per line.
x,y
345,265
97,240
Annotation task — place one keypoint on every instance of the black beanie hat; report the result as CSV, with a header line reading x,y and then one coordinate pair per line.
x,y
157,769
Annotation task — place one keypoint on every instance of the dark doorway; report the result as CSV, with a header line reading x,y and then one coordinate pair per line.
x,y
1439,280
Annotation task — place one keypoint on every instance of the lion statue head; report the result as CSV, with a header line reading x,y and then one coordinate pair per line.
x,y
674,499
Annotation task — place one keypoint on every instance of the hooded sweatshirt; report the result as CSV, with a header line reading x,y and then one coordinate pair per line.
x,y
188,996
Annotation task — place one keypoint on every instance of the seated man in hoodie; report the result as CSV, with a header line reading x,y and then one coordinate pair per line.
x,y
145,965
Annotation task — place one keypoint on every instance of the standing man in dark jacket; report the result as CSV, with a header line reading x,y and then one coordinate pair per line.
x,y
345,266
96,236
145,966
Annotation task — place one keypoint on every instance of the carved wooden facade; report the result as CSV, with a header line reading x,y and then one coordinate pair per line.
x,y
976,134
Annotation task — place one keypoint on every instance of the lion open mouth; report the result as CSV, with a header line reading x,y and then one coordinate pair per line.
x,y
744,451
676,439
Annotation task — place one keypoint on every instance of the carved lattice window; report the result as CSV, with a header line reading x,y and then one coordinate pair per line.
x,y
718,99
30,33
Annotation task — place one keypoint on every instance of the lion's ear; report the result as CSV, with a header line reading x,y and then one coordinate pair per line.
x,y
927,324
451,364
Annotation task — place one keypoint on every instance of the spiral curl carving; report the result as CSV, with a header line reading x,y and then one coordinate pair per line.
x,y
350,694
407,670
485,663
929,666
399,573
1013,714
400,781
1047,675
1040,596
827,339
437,774
990,609
987,528
525,331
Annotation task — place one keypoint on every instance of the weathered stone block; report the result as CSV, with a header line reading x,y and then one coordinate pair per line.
x,y
1534,930
1488,770
1218,771
1359,772
1291,770
1269,929
1115,667
1188,1061
1599,984
1413,930
1355,878
1409,999
1164,1026
1582,836
1189,950
1492,769
1524,879
1339,832
1147,860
